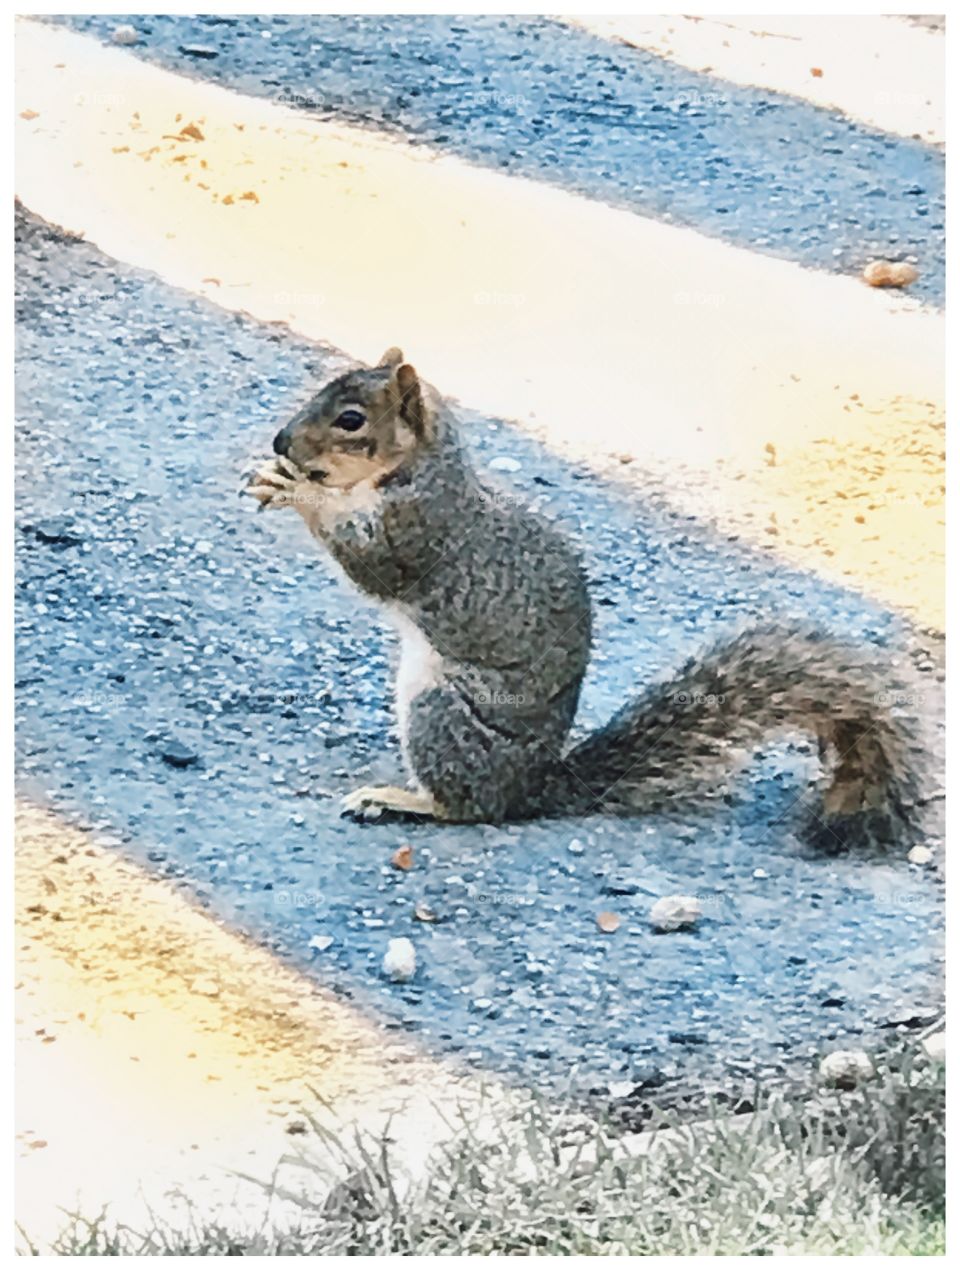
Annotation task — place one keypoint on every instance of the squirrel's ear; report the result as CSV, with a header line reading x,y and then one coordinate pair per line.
x,y
392,357
411,400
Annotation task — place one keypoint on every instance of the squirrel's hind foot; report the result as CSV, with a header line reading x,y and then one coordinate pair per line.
x,y
375,803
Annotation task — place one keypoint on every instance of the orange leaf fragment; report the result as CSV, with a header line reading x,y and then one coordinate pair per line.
x,y
402,857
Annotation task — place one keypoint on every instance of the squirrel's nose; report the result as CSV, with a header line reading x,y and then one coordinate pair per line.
x,y
281,443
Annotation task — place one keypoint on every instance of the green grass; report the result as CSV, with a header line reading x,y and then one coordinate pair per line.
x,y
837,1173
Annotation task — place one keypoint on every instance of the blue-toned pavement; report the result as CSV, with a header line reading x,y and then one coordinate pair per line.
x,y
196,687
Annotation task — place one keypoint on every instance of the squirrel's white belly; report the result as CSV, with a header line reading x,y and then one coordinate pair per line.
x,y
420,666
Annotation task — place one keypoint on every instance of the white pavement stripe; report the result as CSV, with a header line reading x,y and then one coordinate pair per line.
x,y
161,1058
881,70
598,330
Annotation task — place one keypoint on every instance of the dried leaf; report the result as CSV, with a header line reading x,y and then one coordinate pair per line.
x,y
402,857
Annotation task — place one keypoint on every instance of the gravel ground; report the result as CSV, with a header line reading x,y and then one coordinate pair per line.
x,y
197,689
535,98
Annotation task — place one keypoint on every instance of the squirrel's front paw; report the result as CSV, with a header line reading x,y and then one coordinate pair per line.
x,y
274,485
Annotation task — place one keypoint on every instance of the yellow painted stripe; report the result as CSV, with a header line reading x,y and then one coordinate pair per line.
x,y
881,70
159,1055
799,408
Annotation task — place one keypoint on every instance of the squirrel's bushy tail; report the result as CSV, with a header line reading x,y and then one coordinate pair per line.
x,y
681,737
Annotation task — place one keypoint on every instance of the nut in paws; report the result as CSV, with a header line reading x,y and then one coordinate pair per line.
x,y
277,484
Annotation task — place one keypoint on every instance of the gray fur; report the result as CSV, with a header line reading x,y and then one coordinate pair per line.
x,y
490,688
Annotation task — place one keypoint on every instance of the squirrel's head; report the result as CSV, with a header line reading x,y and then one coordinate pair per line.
x,y
362,426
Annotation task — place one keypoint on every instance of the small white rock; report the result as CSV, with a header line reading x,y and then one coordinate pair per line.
x,y
503,463
125,35
622,1089
936,1047
846,1067
760,873
575,847
670,913
920,855
320,943
400,959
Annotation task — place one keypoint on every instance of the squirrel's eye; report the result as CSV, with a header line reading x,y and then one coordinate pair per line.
x,y
350,420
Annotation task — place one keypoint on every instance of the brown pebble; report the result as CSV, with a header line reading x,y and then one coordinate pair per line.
x,y
402,857
890,273
608,922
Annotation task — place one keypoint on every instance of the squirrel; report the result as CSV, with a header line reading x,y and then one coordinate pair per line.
x,y
493,611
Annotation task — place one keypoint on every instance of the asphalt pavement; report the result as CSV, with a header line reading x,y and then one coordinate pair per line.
x,y
196,688
535,98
